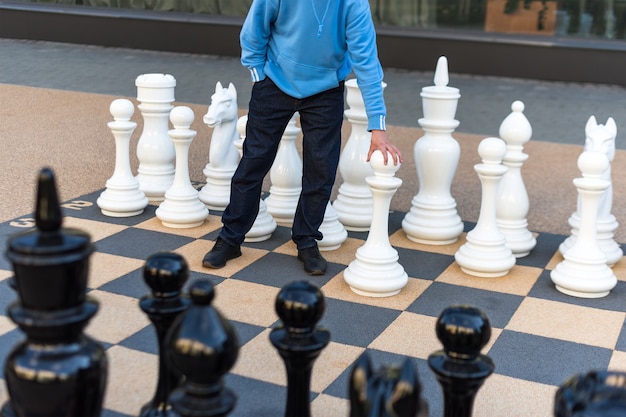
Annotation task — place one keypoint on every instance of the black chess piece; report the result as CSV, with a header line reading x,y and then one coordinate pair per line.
x,y
165,273
57,370
592,394
203,346
300,306
460,368
392,391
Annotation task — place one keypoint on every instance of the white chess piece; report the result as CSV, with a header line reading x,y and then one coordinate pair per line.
x,y
353,204
222,116
512,199
433,218
181,207
264,224
122,196
376,272
600,138
485,254
155,152
584,271
286,177
333,232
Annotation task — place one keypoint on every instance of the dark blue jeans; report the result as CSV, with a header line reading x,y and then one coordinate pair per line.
x,y
269,113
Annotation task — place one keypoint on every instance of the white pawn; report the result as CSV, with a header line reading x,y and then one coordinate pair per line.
x,y
354,198
223,156
122,197
264,224
376,272
286,177
512,199
433,218
485,254
584,271
600,138
333,231
155,152
182,207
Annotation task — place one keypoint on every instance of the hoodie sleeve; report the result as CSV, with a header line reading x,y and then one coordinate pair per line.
x,y
361,39
255,35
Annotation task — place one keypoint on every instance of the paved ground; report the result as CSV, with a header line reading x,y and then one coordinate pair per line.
x,y
557,111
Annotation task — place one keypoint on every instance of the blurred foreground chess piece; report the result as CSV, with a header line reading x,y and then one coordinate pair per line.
x,y
57,370
592,394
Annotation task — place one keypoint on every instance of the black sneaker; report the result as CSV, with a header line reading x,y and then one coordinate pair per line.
x,y
314,263
220,254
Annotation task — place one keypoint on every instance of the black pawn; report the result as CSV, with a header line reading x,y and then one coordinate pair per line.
x,y
392,391
460,368
592,394
300,306
203,346
57,370
165,273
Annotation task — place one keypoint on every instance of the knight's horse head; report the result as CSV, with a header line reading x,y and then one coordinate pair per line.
x,y
223,106
601,138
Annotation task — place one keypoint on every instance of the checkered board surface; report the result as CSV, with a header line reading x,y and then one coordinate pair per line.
x,y
540,337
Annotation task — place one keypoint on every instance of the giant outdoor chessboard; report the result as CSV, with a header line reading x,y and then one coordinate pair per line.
x,y
540,337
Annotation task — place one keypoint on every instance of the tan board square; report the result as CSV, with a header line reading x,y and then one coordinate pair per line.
x,y
328,406
105,268
118,317
6,325
414,335
618,361
4,274
400,239
194,252
568,322
519,280
554,261
131,381
246,302
211,224
4,395
619,269
97,230
339,289
505,396
259,359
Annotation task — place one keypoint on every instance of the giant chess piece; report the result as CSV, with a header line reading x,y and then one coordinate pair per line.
x,y
594,393
122,196
459,367
299,341
155,152
485,254
286,177
354,204
512,198
433,218
376,272
165,273
600,138
584,271
57,370
389,392
223,156
334,233
182,207
264,224
203,346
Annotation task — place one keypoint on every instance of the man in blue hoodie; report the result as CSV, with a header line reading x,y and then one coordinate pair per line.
x,y
299,53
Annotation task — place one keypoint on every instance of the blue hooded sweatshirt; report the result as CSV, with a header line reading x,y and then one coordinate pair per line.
x,y
309,46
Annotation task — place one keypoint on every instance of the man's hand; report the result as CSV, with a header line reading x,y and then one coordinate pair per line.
x,y
380,142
